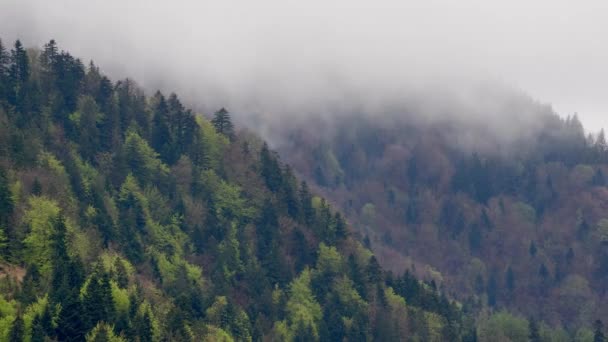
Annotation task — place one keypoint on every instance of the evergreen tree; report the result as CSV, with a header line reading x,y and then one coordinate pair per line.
x,y
17,332
38,334
270,169
97,301
6,200
306,204
36,187
222,123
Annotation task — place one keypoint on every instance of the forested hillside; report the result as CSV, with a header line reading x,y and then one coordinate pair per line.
x,y
128,217
519,224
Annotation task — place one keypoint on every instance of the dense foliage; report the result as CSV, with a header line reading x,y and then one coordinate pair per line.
x,y
128,217
520,226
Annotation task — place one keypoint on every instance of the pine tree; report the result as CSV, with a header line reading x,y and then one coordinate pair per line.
x,y
38,334
17,332
222,123
308,211
6,200
97,301
270,169
36,187
4,71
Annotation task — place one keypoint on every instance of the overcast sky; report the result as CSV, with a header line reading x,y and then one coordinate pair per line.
x,y
251,53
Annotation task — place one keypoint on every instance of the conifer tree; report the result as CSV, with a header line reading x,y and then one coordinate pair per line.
x,y
222,123
17,332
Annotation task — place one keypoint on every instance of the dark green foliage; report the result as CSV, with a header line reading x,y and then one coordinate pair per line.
x,y
160,228
30,285
17,332
38,334
97,301
222,123
270,169
6,201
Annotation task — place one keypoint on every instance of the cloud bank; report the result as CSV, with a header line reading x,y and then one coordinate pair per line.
x,y
278,56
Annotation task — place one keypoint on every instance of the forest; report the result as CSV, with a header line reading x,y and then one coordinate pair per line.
x,y
517,226
129,217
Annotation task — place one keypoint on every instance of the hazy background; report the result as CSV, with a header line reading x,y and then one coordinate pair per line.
x,y
282,55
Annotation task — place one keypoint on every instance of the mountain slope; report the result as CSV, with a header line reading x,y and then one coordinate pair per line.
x,y
513,220
127,217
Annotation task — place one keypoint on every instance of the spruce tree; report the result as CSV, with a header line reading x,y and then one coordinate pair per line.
x,y
222,123
17,332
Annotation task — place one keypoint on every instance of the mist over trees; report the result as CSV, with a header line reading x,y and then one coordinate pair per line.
x,y
501,224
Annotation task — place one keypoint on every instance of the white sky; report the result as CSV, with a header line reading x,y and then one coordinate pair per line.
x,y
253,52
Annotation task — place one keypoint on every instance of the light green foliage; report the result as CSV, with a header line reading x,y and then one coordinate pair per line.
x,y
329,261
167,238
213,143
395,301
214,312
230,203
434,323
229,254
170,266
144,308
160,204
103,333
16,190
217,335
142,159
8,310
317,202
302,308
503,324
3,243
120,297
50,162
109,260
88,173
39,218
349,297
35,309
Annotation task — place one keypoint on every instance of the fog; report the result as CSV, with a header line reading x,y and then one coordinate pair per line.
x,y
282,56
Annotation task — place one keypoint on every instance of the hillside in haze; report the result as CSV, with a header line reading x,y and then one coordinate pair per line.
x,y
503,207
129,217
